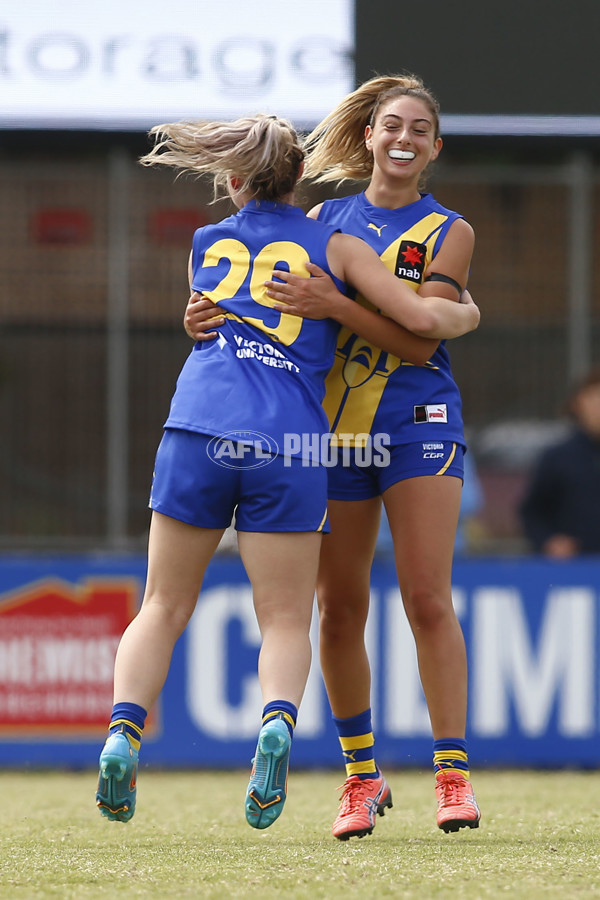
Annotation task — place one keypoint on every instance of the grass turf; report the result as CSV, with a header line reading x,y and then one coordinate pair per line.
x,y
539,838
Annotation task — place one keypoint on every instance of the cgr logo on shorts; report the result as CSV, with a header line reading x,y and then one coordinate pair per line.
x,y
242,449
433,450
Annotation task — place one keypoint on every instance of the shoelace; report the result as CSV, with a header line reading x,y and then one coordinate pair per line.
x,y
454,789
353,792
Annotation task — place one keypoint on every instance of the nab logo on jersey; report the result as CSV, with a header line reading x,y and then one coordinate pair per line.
x,y
410,263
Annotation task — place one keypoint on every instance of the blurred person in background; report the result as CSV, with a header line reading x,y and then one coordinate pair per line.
x,y
560,509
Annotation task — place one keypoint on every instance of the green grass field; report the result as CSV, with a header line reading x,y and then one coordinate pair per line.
x,y
540,838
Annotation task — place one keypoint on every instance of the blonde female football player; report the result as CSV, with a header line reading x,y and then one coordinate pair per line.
x,y
237,399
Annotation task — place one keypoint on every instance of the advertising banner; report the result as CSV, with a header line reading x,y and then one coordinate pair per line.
x,y
531,630
132,65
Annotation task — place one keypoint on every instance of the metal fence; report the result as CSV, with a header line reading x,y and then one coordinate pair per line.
x,y
93,284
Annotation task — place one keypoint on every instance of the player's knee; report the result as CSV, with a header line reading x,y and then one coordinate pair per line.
x,y
341,622
427,609
170,613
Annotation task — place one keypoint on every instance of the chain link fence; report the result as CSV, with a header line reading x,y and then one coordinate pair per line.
x,y
93,285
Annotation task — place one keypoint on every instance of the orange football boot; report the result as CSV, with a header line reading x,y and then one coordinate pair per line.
x,y
362,799
457,807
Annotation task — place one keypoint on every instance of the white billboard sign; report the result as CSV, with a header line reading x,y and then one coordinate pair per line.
x,y
129,65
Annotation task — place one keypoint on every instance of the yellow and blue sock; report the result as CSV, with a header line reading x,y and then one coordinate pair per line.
x,y
281,709
358,744
450,755
130,719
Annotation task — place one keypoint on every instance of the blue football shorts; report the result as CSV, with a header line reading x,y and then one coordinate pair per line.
x,y
359,476
204,480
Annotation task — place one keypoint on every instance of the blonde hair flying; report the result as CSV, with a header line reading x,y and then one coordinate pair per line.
x,y
263,151
335,149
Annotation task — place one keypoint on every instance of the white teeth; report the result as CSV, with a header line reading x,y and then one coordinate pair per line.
x,y
401,154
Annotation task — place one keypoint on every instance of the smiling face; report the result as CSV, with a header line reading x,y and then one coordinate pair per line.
x,y
403,138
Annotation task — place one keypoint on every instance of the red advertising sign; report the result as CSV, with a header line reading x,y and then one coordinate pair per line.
x,y
57,649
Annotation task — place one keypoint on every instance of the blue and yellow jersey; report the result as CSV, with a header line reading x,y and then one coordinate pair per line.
x,y
265,373
368,390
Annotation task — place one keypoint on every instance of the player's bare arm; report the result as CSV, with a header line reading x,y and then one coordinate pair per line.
x,y
433,317
318,298
452,261
356,263
201,317
388,335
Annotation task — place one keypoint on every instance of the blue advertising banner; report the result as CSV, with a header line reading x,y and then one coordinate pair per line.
x,y
531,628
